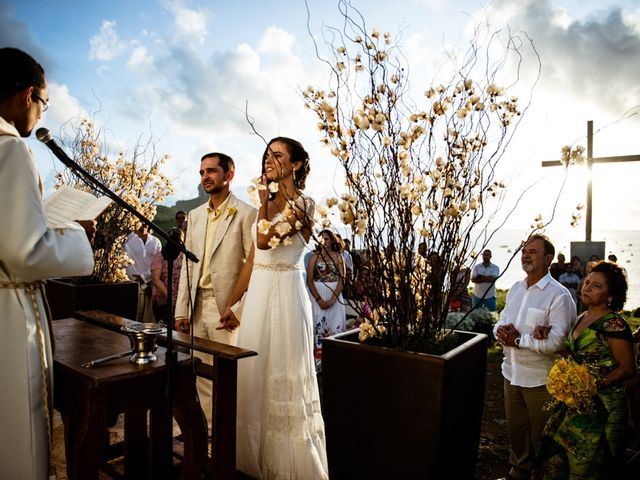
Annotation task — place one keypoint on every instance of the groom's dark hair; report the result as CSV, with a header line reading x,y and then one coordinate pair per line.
x,y
225,161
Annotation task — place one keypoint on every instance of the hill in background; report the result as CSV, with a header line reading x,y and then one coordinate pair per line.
x,y
165,216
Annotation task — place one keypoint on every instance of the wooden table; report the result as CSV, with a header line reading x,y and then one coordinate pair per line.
x,y
223,374
87,397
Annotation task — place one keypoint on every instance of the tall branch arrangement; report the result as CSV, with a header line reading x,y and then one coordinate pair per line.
x,y
417,170
134,175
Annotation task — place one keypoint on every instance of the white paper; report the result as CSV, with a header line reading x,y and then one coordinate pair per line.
x,y
68,204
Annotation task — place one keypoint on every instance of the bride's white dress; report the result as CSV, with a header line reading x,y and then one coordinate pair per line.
x,y
280,428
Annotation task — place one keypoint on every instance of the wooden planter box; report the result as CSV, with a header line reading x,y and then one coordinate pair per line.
x,y
402,415
65,298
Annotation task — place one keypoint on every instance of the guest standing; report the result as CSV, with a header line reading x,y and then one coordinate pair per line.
x,y
30,252
280,427
484,277
141,247
538,300
159,280
325,280
590,444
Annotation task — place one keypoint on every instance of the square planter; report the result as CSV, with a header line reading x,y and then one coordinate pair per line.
x,y
66,297
402,415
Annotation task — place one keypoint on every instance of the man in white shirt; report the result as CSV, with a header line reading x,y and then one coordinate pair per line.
x,y
141,247
570,280
483,277
538,300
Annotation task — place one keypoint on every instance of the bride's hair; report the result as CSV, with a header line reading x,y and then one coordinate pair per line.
x,y
297,154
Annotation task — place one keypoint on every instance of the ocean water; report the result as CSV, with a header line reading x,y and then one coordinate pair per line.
x,y
625,244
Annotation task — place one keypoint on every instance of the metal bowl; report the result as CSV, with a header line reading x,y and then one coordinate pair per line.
x,y
143,337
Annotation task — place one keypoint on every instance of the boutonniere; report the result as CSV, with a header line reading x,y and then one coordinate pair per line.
x,y
231,211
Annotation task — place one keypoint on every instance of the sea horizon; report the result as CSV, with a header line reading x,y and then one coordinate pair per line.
x,y
622,243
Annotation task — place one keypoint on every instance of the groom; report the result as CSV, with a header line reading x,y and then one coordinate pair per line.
x,y
219,234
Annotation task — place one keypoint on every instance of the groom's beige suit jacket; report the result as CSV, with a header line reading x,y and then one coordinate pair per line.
x,y
231,247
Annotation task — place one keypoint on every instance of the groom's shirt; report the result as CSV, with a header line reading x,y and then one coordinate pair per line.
x,y
213,219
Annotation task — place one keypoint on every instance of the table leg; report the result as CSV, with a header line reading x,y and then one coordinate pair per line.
x,y
86,439
136,444
223,443
193,425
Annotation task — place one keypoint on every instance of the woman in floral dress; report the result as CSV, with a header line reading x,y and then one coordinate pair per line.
x,y
581,445
325,274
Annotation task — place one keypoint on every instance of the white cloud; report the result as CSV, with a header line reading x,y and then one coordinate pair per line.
x,y
105,45
588,57
191,26
64,106
246,61
560,18
140,61
276,40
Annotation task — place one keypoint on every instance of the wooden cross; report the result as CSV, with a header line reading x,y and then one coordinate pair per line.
x,y
589,162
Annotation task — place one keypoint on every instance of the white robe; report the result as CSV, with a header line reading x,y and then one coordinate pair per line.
x,y
29,252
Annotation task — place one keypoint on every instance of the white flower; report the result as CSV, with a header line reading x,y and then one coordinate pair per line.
x,y
283,228
264,226
274,242
462,113
322,211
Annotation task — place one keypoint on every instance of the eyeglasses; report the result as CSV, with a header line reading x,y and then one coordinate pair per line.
x,y
45,104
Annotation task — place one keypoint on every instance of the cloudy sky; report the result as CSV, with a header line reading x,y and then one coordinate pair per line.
x,y
186,70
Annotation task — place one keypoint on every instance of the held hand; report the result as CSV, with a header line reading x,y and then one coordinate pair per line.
x,y
501,334
541,332
89,228
324,304
182,324
228,321
507,335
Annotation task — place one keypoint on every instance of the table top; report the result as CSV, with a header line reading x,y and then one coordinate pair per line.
x,y
78,342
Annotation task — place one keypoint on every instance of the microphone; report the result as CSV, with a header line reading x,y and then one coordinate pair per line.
x,y
45,137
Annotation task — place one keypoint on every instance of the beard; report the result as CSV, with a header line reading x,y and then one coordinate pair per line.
x,y
527,267
213,189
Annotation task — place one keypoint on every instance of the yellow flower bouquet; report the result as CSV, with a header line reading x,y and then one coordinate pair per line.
x,y
573,384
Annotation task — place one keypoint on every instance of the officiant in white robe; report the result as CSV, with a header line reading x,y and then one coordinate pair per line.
x,y
30,252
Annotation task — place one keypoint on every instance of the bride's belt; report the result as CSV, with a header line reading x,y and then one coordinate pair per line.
x,y
277,267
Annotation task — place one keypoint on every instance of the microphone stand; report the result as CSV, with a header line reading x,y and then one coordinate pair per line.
x,y
174,248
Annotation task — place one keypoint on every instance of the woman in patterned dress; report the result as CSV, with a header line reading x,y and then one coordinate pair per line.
x,y
325,280
577,445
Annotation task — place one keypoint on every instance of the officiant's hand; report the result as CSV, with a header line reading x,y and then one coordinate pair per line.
x,y
89,228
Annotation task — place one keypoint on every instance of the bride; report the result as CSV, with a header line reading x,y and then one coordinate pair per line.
x,y
280,431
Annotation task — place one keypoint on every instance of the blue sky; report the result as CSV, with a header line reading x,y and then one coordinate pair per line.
x,y
186,69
